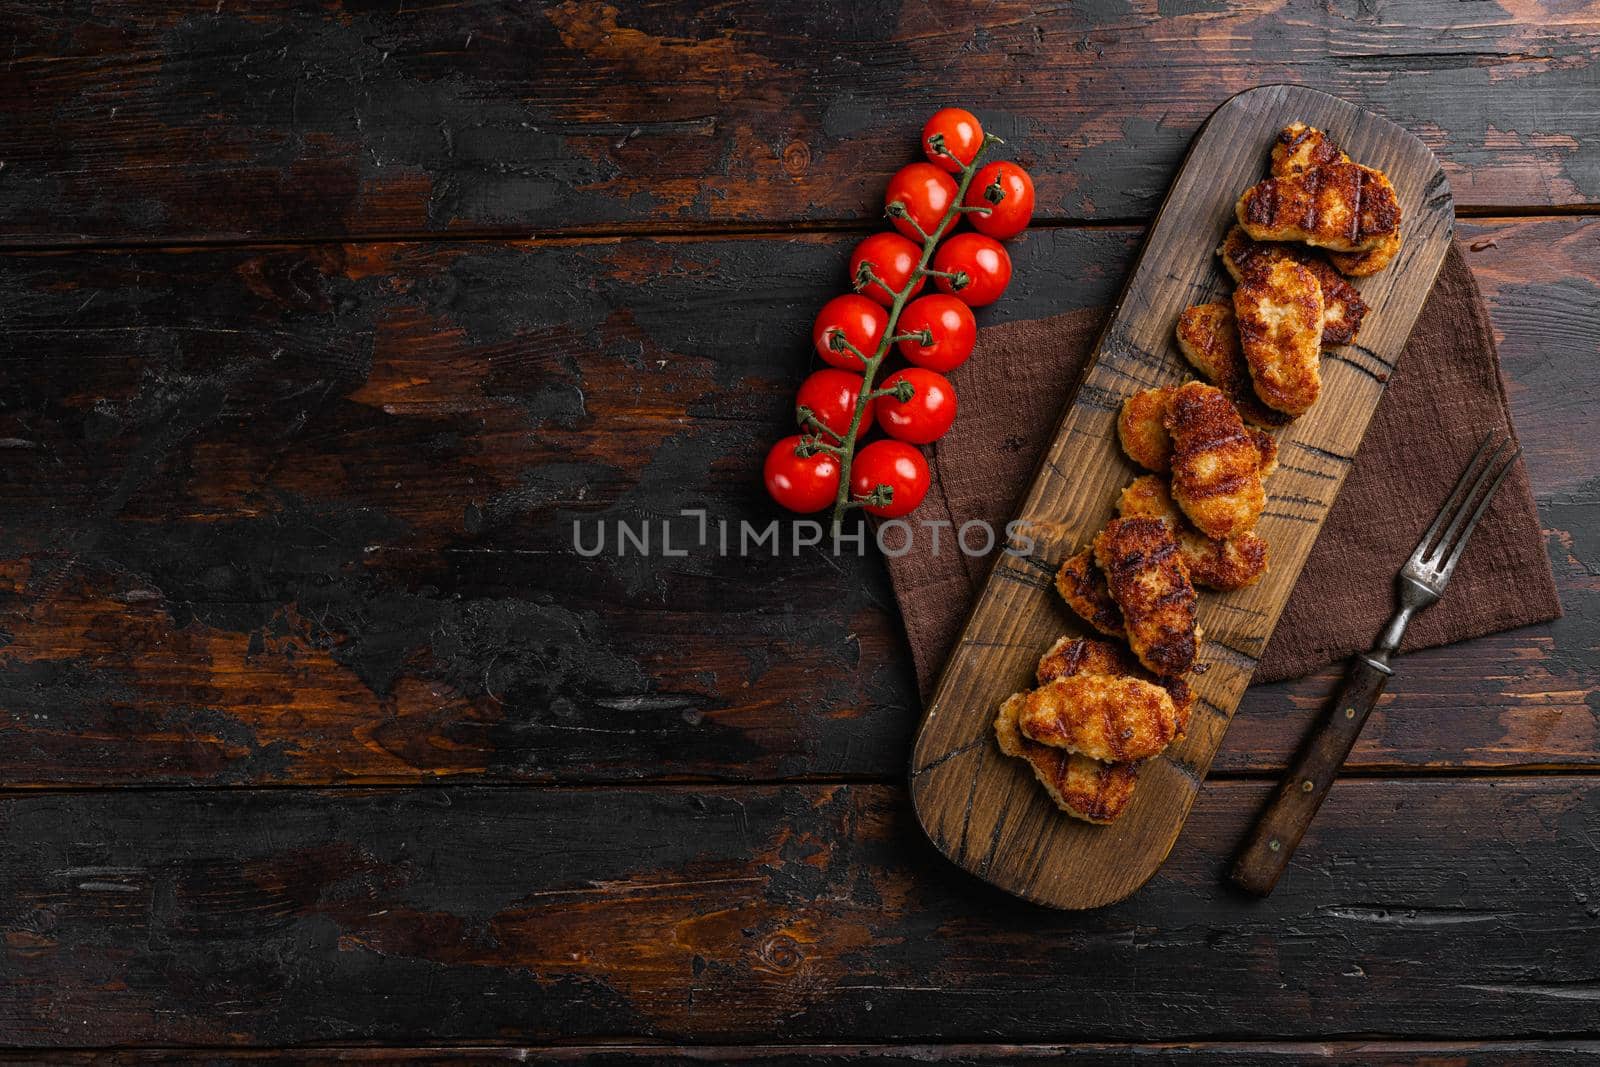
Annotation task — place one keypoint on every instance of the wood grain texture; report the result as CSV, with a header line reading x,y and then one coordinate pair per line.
x,y
263,606
984,810
776,914
168,121
1197,1054
1269,846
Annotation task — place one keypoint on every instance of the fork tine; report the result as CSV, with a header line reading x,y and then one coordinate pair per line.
x,y
1450,506
1447,540
1477,513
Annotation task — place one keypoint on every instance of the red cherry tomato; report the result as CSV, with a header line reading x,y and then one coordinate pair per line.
x,y
926,416
962,135
926,193
801,483
1009,215
831,396
893,258
984,262
897,465
948,322
855,318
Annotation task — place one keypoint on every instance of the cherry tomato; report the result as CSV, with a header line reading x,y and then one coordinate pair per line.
x,y
984,262
897,465
893,258
926,193
962,135
948,321
801,483
855,318
1009,215
831,396
925,417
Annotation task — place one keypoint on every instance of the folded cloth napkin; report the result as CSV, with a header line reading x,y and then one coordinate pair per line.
x,y
1445,395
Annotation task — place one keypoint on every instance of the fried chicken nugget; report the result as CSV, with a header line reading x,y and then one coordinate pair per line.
x,y
1208,337
1342,206
1082,655
1150,583
1104,717
1216,465
1279,312
1361,264
1300,148
1082,787
1214,563
1141,429
1342,306
1083,587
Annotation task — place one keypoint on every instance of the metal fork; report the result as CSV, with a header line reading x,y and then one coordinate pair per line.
x,y
1421,582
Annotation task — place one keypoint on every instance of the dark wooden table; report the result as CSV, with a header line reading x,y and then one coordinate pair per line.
x,y
324,325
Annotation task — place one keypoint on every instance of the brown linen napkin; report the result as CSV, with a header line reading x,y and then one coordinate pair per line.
x,y
1445,395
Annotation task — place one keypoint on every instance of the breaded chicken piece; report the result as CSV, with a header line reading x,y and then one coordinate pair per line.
x,y
1216,465
1208,337
1279,312
1081,655
1101,716
1361,264
1082,787
1342,306
1342,206
1300,148
1142,433
1083,587
1212,562
1150,583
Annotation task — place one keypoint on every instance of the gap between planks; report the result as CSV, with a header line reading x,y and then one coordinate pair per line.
x,y
17,791
1482,214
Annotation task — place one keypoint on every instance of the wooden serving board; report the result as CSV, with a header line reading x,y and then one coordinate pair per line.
x,y
984,810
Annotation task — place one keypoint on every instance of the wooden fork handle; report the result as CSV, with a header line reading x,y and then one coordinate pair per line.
x,y
1277,833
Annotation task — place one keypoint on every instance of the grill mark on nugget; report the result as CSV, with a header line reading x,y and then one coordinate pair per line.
x,y
1301,148
1342,206
1216,464
1150,584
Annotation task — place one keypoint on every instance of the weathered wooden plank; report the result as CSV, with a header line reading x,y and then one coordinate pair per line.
x,y
170,120
1198,1054
780,914
290,514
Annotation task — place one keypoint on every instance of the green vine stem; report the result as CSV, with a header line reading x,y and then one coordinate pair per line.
x,y
845,449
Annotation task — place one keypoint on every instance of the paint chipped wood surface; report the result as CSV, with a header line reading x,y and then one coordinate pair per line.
x,y
262,120
378,443
284,514
795,913
984,810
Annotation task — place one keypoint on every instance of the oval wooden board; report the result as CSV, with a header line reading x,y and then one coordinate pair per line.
x,y
984,810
